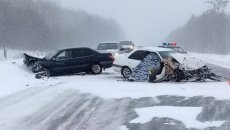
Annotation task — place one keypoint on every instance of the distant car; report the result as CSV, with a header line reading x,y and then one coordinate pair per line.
x,y
70,61
126,46
126,63
112,48
173,47
116,48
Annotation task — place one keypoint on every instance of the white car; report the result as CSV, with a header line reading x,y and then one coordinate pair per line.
x,y
115,48
126,63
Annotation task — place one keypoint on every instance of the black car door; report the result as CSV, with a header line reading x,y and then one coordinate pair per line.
x,y
84,57
64,62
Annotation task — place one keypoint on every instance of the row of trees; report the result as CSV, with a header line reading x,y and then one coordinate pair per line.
x,y
208,33
38,24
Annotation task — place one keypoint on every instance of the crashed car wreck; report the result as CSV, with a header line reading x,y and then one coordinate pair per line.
x,y
171,66
175,72
69,61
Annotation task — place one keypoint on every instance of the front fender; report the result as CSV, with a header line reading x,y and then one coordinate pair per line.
x,y
41,64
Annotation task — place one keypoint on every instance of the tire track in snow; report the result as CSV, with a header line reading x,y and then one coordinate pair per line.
x,y
61,109
20,96
20,112
82,115
55,108
24,95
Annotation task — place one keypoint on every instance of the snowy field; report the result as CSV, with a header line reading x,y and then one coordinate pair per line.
x,y
105,102
220,60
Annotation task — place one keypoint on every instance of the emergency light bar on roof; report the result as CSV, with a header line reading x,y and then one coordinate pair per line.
x,y
169,44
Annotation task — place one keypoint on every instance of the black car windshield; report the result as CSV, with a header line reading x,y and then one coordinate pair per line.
x,y
51,54
107,46
126,43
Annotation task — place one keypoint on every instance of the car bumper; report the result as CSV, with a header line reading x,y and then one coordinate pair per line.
x,y
116,68
106,64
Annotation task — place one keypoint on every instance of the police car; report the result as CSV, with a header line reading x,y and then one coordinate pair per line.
x,y
173,46
126,63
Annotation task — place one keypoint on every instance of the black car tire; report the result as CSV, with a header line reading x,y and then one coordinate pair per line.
x,y
43,73
96,69
126,72
178,75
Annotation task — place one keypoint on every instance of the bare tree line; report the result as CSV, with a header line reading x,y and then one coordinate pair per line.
x,y
207,33
37,24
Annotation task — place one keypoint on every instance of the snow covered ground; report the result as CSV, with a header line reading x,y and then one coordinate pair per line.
x,y
220,60
105,102
187,114
107,85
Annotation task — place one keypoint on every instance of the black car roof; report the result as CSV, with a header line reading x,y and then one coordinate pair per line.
x,y
75,48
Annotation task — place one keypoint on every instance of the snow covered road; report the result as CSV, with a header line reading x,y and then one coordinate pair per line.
x,y
51,109
102,102
220,70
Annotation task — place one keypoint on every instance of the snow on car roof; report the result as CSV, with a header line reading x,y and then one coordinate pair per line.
x,y
153,49
108,43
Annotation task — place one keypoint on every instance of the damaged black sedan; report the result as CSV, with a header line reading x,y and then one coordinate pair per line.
x,y
69,61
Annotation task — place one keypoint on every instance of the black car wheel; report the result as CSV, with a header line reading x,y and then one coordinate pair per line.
x,y
178,75
36,67
44,73
126,72
96,69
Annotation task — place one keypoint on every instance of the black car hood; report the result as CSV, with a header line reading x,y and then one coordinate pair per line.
x,y
30,60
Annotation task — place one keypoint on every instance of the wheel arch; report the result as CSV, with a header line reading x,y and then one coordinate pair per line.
x,y
125,66
122,69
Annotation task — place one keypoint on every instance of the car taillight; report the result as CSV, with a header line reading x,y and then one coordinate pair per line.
x,y
111,57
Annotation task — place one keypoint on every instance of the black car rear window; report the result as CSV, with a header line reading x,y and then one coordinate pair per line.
x,y
82,52
66,54
107,46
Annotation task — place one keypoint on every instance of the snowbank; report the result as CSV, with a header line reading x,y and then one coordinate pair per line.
x,y
15,76
187,115
220,60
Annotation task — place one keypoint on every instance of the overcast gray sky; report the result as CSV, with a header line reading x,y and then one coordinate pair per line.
x,y
143,21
